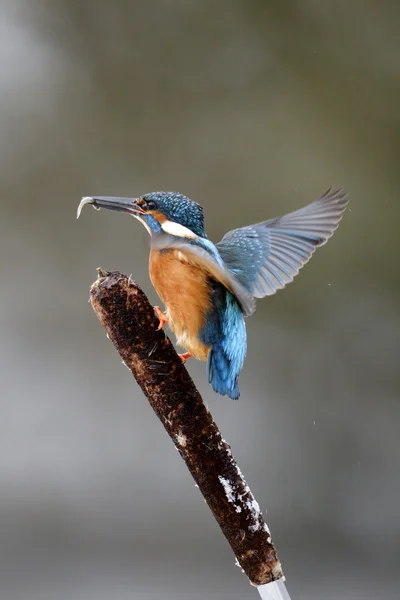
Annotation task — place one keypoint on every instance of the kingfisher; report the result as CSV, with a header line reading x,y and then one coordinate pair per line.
x,y
208,289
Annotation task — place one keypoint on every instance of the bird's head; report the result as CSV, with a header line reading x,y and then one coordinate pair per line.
x,y
168,212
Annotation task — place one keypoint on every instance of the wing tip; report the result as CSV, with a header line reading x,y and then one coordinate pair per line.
x,y
338,198
335,194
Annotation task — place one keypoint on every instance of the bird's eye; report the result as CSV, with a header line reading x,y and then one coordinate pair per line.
x,y
146,204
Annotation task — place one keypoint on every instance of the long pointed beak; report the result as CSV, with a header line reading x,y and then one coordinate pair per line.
x,y
126,205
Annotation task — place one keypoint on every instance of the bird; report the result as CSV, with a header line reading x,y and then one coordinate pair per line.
x,y
209,289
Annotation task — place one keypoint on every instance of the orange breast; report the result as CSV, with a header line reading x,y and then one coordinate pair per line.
x,y
183,289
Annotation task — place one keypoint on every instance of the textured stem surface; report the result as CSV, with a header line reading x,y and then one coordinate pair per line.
x,y
129,319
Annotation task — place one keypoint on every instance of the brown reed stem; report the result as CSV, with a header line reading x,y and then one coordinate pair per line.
x,y
130,322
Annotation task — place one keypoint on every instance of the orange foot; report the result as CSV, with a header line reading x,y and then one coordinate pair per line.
x,y
162,318
185,356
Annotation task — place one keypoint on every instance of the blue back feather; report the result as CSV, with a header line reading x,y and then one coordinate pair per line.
x,y
225,332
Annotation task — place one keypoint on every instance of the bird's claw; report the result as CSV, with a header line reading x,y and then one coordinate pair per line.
x,y
185,356
162,318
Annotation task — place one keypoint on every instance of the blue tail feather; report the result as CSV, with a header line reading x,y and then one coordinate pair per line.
x,y
219,373
225,333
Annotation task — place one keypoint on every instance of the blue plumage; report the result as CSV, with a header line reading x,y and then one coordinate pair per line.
x,y
225,334
248,263
267,256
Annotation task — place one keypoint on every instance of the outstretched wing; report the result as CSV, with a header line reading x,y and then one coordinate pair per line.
x,y
267,256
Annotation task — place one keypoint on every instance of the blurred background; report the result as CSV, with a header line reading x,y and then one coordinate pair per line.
x,y
252,108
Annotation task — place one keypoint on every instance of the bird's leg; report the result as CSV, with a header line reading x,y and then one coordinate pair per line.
x,y
185,356
162,318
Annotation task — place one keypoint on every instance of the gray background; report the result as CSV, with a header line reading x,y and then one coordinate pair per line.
x,y
253,109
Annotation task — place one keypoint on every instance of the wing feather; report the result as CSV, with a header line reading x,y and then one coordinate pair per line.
x,y
267,256
202,253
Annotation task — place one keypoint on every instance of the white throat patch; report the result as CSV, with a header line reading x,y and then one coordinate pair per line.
x,y
178,230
